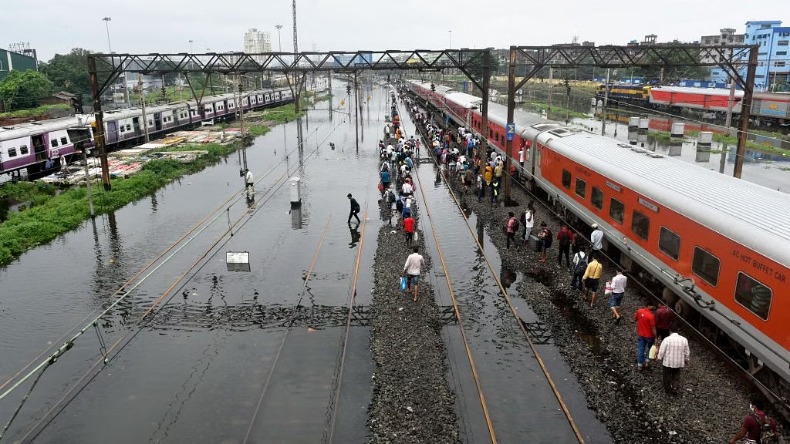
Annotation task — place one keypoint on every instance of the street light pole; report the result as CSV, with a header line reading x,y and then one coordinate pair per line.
x,y
451,39
279,40
107,27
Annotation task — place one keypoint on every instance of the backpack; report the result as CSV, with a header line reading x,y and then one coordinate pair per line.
x,y
581,266
515,224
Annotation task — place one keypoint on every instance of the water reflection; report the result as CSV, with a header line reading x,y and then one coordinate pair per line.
x,y
296,217
355,235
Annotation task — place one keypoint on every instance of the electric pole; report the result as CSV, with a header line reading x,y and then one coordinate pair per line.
x,y
142,102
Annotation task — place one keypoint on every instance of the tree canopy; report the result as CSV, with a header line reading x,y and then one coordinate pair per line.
x,y
69,72
23,89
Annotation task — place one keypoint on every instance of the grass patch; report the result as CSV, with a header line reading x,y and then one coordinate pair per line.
x,y
49,214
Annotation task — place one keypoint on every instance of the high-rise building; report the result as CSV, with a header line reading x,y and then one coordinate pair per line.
x,y
726,36
257,41
773,66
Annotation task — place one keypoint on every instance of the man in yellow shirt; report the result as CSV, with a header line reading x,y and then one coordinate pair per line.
x,y
592,276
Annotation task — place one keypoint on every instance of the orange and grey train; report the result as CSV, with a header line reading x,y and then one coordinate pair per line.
x,y
719,246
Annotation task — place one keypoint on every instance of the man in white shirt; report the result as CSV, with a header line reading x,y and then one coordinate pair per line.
x,y
529,222
407,189
596,238
674,354
616,298
412,270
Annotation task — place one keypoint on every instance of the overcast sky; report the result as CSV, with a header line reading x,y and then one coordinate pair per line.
x,y
144,26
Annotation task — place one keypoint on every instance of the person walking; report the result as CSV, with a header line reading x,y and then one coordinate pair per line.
x,y
664,317
529,221
616,298
412,269
511,225
674,354
596,239
645,334
545,240
354,209
579,267
591,277
753,424
408,229
385,180
564,237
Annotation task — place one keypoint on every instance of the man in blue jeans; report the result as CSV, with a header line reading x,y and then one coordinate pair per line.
x,y
645,334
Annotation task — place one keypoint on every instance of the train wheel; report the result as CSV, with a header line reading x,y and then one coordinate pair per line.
x,y
669,297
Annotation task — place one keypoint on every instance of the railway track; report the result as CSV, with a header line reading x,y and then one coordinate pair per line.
x,y
460,306
693,323
150,307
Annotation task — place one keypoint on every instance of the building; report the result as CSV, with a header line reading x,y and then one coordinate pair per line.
x,y
726,36
10,60
257,41
773,41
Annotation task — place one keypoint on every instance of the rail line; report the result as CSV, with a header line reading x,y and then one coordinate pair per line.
x,y
506,296
779,402
121,342
287,331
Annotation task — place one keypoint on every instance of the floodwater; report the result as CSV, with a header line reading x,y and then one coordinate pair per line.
x,y
234,356
197,369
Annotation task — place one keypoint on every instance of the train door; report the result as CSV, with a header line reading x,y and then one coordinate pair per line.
x,y
136,125
39,147
112,131
157,121
175,118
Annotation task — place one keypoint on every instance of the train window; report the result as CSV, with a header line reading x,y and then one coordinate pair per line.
x,y
706,266
64,141
753,295
122,128
128,127
566,179
669,243
12,152
616,210
54,143
23,150
597,198
581,188
640,224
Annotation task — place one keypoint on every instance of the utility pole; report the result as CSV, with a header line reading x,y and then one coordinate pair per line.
x,y
551,90
98,135
356,108
727,123
567,101
746,109
142,102
241,127
605,103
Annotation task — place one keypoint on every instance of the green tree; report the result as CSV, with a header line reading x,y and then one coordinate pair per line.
x,y
69,72
23,89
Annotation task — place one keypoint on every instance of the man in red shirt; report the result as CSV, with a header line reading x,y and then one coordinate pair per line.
x,y
408,228
664,317
645,334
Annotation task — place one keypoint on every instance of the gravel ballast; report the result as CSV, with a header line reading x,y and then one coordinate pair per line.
x,y
412,402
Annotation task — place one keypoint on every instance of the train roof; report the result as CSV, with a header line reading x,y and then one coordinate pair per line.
x,y
743,211
464,99
38,127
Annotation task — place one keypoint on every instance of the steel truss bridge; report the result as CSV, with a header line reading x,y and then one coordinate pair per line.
x,y
104,70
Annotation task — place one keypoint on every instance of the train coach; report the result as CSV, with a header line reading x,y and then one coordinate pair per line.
x,y
719,246
38,146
